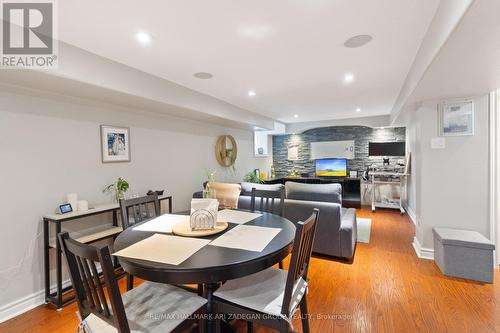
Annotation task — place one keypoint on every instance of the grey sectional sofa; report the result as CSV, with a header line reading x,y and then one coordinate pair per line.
x,y
336,232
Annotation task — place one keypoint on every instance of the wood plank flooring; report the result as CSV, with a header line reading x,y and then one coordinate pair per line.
x,y
386,289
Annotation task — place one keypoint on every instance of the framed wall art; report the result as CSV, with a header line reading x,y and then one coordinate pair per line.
x,y
115,144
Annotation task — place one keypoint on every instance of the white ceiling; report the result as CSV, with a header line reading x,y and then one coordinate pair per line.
x,y
290,53
469,62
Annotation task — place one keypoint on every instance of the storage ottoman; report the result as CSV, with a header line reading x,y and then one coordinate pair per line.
x,y
463,253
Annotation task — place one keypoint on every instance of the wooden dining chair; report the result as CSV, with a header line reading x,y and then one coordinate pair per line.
x,y
136,210
267,203
151,307
272,296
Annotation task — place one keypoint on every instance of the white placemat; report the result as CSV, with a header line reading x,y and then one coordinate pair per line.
x,y
165,249
236,216
247,237
162,223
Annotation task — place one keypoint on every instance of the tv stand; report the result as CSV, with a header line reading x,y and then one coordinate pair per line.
x,y
351,187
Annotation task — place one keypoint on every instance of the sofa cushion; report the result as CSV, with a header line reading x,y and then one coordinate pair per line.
x,y
246,188
314,192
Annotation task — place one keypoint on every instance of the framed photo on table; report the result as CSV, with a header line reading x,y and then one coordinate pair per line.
x,y
456,118
115,144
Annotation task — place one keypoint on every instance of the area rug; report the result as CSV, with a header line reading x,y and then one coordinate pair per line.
x,y
364,229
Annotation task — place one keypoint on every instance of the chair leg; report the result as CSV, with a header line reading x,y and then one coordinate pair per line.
x,y
249,327
304,314
280,265
218,324
200,290
130,282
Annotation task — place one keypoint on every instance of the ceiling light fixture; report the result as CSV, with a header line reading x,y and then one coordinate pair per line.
x,y
251,93
358,41
144,38
358,110
295,115
203,75
348,78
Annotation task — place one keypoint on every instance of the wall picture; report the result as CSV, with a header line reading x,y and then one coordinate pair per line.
x,y
293,153
456,118
115,144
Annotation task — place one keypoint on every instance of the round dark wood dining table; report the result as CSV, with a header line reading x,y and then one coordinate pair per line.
x,y
211,264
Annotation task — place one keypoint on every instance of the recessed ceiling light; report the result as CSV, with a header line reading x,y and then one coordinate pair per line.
x,y
203,75
348,78
295,115
358,110
251,93
143,37
358,41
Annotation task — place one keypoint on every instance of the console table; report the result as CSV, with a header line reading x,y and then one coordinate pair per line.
x,y
351,187
102,233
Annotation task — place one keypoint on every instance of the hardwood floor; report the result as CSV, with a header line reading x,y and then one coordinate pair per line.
x,y
386,289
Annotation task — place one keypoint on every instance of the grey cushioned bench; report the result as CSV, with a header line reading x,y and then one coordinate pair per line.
x,y
463,253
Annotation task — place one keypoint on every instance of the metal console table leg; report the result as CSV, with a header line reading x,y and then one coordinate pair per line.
x,y
58,269
46,259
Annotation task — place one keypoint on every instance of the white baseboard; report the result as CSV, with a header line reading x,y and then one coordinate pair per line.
x,y
411,215
22,305
422,252
17,307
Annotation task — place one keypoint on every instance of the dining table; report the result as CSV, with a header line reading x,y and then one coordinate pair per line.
x,y
211,265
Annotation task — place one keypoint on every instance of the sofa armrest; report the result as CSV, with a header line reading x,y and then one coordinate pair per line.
x,y
348,232
327,238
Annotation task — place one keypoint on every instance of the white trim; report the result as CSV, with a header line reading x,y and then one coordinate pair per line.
x,y
411,214
494,109
422,252
22,305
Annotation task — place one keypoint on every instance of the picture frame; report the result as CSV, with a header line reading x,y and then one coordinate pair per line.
x,y
115,144
293,153
456,118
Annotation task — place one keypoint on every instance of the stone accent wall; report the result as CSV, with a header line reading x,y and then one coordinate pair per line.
x,y
361,135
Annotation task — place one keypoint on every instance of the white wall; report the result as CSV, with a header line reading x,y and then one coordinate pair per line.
x,y
50,146
449,187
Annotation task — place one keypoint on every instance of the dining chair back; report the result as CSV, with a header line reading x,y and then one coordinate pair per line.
x,y
113,312
136,210
301,255
257,294
88,286
267,199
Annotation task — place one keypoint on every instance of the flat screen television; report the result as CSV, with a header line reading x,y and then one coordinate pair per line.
x,y
386,148
332,167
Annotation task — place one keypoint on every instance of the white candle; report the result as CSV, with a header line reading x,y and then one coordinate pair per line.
x,y
83,205
72,199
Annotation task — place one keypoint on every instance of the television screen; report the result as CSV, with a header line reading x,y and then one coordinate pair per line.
x,y
334,167
386,149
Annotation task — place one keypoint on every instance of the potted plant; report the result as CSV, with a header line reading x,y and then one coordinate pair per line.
x,y
118,188
252,177
209,193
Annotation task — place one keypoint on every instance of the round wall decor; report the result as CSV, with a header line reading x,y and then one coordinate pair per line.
x,y
226,150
